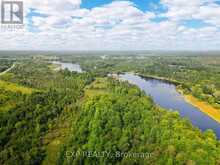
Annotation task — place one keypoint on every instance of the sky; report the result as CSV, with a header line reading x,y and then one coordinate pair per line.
x,y
116,25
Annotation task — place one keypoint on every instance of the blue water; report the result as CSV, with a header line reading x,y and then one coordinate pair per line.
x,y
165,95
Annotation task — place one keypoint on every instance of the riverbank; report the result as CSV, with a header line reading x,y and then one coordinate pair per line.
x,y
160,78
204,107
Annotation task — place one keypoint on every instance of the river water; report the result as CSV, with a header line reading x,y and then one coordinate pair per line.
x,y
166,95
70,66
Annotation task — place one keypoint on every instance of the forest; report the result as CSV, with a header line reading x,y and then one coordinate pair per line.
x,y
198,75
121,119
50,116
30,115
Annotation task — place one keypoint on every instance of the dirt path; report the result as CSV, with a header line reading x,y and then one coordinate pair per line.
x,y
2,73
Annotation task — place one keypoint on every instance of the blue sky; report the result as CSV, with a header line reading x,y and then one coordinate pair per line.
x,y
149,5
144,5
118,25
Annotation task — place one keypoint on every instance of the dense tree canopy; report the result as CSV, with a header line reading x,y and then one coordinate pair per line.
x,y
28,117
104,114
124,120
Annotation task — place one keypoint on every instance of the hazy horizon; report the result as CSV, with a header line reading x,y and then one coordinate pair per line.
x,y
110,52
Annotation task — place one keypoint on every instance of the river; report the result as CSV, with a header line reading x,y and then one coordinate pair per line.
x,y
165,95
70,66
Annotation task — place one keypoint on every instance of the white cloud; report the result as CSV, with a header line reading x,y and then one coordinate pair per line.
x,y
209,14
205,10
118,25
53,7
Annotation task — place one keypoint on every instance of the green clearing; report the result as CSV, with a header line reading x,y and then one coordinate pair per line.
x,y
15,87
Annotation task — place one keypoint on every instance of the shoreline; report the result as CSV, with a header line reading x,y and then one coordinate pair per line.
x,y
203,106
160,78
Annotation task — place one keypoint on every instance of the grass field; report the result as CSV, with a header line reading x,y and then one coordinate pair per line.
x,y
56,137
15,88
98,87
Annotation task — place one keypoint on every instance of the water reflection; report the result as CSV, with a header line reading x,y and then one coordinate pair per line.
x,y
165,95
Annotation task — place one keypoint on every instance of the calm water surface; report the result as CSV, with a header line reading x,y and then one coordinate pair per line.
x,y
165,95
70,66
